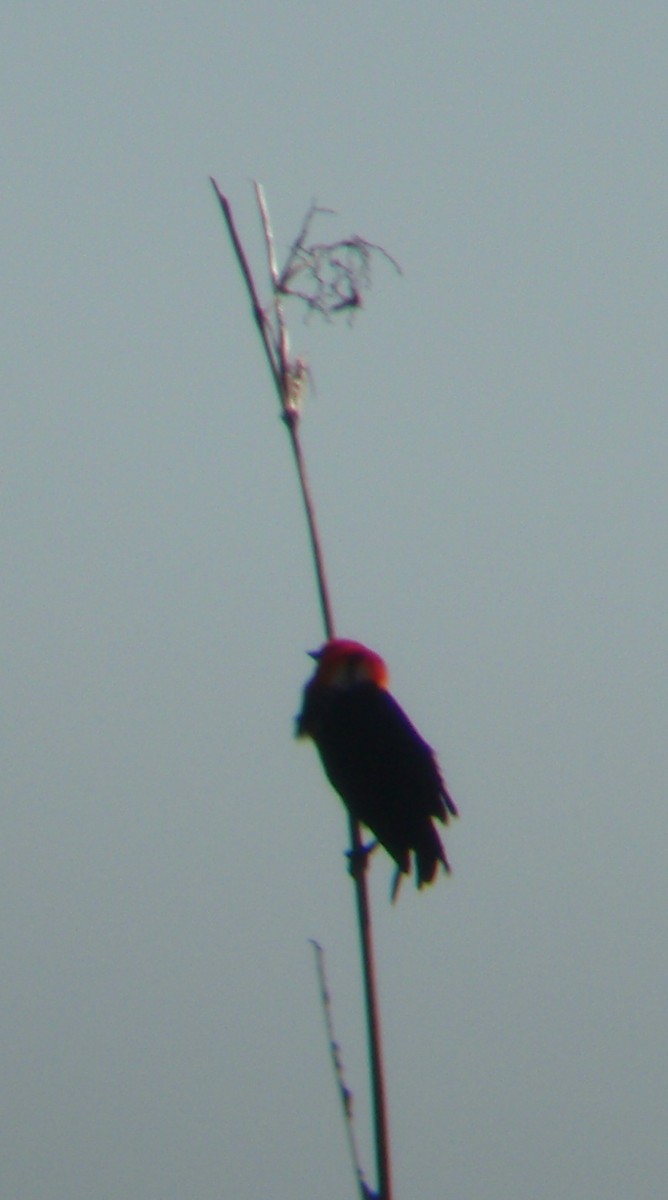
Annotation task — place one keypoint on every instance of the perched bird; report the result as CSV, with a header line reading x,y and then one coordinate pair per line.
x,y
385,773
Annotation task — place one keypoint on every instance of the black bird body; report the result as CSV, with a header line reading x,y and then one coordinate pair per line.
x,y
385,772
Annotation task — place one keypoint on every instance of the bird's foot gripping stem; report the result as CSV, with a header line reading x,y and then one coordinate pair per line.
x,y
359,857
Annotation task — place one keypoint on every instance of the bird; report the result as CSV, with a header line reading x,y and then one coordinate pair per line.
x,y
384,771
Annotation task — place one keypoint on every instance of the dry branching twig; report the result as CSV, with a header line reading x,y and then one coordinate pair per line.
x,y
329,277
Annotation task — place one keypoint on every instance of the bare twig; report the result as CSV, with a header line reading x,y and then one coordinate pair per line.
x,y
300,241
333,275
289,377
345,1093
283,341
258,311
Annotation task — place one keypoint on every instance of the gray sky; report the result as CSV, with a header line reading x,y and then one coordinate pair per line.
x,y
488,452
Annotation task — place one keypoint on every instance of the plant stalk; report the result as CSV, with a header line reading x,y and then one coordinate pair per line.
x,y
276,350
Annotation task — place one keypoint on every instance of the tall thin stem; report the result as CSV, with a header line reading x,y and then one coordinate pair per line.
x,y
374,1035
292,421
359,859
276,349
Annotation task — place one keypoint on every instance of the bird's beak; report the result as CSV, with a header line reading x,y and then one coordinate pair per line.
x,y
316,654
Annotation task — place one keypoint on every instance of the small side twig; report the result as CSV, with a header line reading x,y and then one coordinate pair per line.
x,y
333,276
299,243
345,1094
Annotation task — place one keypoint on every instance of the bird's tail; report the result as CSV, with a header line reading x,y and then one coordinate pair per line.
x,y
429,852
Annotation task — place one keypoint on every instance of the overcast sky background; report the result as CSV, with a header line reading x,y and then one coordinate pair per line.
x,y
487,446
